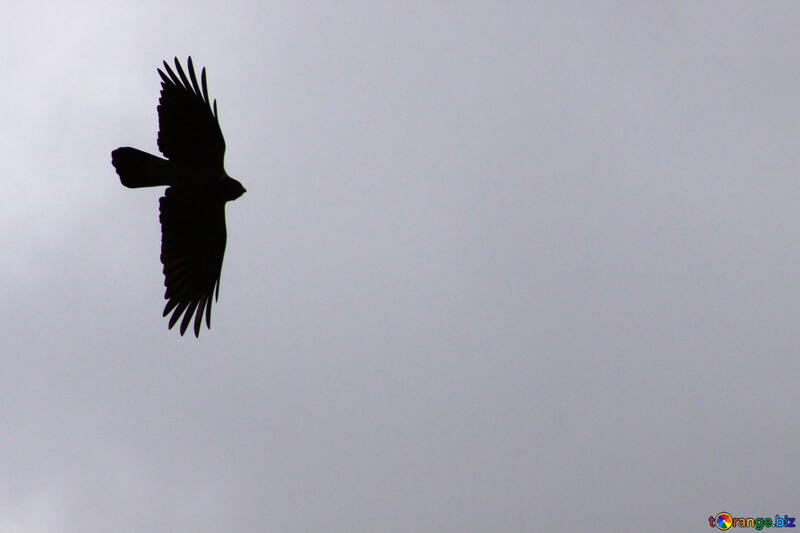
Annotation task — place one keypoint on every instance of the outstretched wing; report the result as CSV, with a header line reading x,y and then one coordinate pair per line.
x,y
192,247
188,128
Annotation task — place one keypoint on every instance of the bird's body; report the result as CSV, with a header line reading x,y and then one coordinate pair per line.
x,y
192,210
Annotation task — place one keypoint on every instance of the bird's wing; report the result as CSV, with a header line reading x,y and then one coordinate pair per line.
x,y
192,247
188,127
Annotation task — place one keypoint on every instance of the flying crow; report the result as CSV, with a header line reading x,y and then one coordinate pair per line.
x,y
192,210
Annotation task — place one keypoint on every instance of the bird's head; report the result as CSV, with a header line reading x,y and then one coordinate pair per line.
x,y
232,189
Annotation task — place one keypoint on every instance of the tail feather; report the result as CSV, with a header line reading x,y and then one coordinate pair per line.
x,y
140,169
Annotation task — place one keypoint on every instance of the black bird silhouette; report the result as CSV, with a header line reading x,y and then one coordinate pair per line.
x,y
192,210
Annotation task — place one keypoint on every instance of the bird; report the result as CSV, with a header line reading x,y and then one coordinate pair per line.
x,y
192,210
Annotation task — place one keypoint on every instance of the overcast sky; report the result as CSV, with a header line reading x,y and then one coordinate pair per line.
x,y
501,266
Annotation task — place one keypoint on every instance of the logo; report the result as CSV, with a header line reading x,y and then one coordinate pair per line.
x,y
725,521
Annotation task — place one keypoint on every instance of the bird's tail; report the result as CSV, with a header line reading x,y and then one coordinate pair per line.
x,y
140,169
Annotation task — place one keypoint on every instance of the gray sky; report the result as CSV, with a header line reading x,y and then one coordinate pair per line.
x,y
500,267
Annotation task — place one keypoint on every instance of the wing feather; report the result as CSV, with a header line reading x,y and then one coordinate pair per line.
x,y
205,88
195,85
187,316
198,319
177,314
